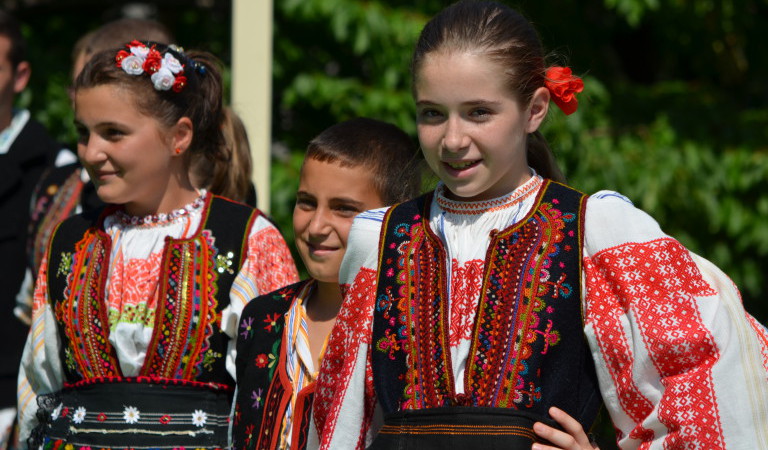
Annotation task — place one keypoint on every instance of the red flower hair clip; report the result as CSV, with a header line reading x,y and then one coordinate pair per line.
x,y
563,86
165,71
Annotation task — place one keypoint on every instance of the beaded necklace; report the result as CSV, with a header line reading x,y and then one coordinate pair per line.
x,y
162,218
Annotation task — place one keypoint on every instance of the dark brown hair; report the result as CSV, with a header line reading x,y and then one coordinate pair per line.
x,y
10,28
229,175
200,100
508,39
386,150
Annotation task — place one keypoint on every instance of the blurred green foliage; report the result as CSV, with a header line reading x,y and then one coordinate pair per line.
x,y
674,114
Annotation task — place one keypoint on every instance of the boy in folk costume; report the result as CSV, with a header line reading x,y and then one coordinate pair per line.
x,y
350,167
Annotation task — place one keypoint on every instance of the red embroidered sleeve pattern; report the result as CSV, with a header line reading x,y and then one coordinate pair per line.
x,y
272,264
762,335
466,280
657,284
40,297
351,331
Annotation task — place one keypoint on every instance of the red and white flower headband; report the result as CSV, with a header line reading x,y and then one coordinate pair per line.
x,y
165,70
563,86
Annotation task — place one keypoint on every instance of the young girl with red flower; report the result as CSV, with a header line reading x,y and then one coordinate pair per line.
x,y
471,312
136,306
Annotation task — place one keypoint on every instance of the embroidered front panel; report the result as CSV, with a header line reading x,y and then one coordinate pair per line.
x,y
409,333
632,278
186,312
466,280
133,290
527,342
81,312
515,323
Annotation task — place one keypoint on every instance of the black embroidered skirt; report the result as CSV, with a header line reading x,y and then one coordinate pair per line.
x,y
458,427
139,415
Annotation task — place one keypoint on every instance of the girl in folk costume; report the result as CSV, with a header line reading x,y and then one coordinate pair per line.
x,y
504,292
136,306
350,167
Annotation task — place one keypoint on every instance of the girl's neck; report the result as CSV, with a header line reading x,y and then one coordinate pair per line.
x,y
171,200
325,302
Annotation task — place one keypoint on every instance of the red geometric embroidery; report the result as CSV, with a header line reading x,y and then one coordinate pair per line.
x,y
270,261
658,284
762,339
134,282
352,330
465,290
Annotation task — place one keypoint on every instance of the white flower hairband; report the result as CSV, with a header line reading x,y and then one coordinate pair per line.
x,y
166,72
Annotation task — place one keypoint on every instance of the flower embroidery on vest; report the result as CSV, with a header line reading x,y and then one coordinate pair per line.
x,y
64,264
131,414
224,263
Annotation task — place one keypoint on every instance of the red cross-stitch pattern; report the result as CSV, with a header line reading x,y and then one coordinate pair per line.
x,y
465,288
352,330
270,261
134,282
762,338
603,313
657,283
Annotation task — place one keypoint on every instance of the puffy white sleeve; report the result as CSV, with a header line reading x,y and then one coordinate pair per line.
x,y
680,363
344,401
268,266
41,371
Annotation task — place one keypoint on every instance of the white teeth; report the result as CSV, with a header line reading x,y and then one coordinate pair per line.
x,y
460,165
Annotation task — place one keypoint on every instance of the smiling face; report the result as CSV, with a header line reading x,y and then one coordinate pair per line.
x,y
471,128
330,196
128,155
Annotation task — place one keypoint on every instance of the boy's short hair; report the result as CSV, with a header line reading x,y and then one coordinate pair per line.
x,y
385,149
10,28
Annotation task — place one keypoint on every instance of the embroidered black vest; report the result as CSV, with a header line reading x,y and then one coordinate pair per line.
x,y
264,389
196,276
528,351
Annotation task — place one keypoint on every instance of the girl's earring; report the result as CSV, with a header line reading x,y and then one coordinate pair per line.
x,y
178,151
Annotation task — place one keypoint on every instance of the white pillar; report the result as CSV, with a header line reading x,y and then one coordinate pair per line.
x,y
252,84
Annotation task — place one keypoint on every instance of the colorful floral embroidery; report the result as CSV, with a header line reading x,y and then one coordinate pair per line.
x,y
224,263
261,360
199,418
64,264
209,359
79,415
131,414
271,322
256,397
526,294
247,326
187,311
